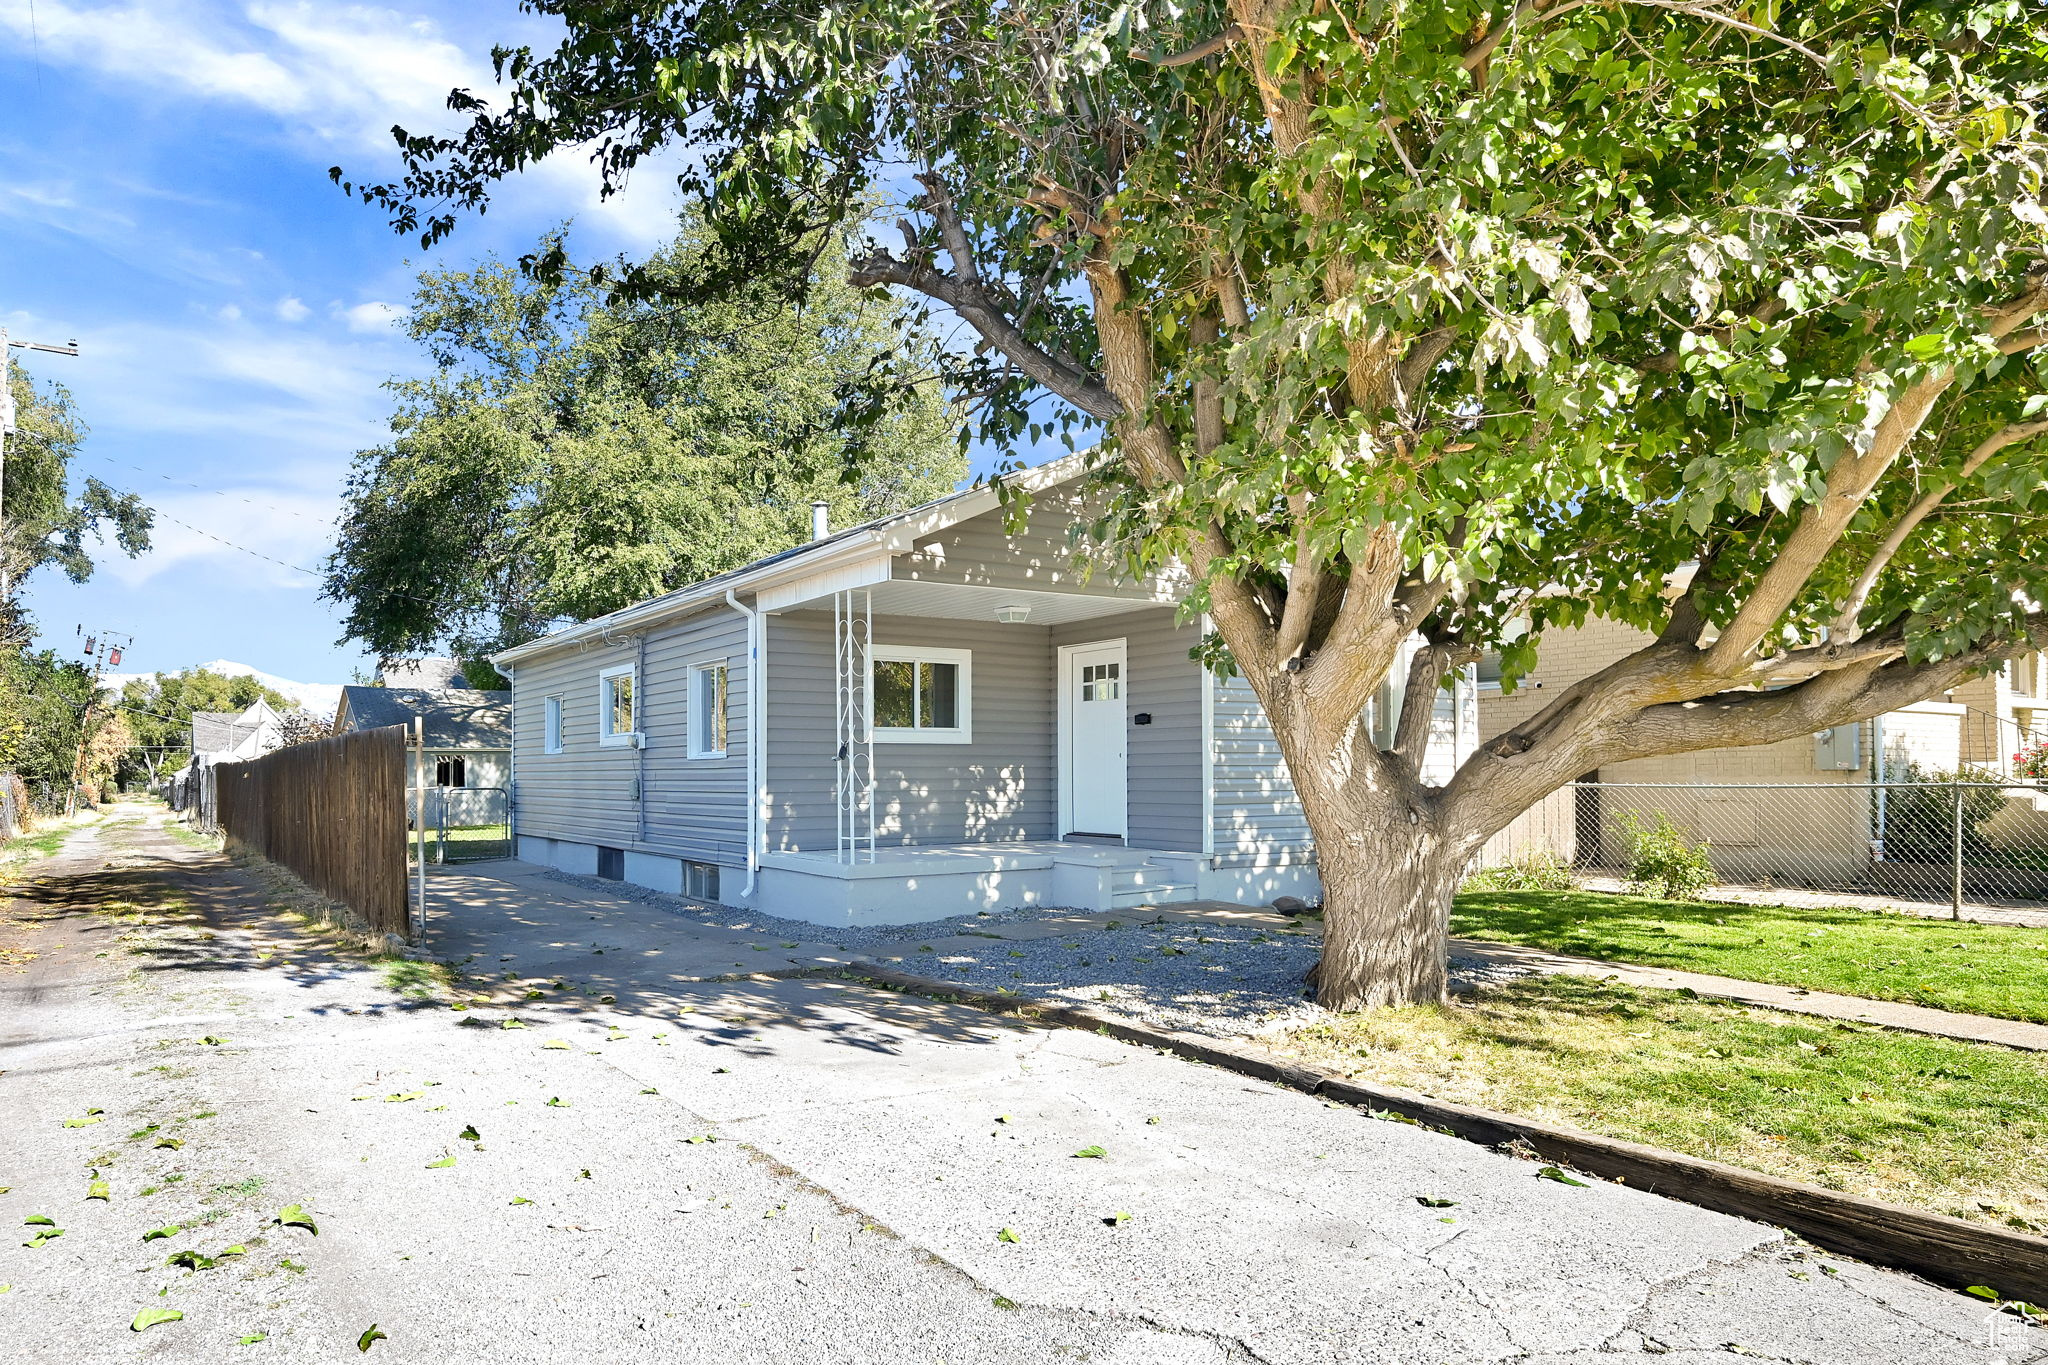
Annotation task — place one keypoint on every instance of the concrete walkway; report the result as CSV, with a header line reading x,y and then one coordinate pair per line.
x,y
1971,1028
794,1170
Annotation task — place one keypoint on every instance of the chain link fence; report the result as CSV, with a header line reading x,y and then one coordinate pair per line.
x,y
466,824
1963,845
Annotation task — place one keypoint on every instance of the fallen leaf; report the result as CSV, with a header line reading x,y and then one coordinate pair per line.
x,y
253,1338
555,1045
213,1040
1117,1219
150,1317
512,1023
521,1199
98,1189
39,1220
1008,1305
1552,1173
168,1230
236,1250
557,1102
191,1260
1091,1152
173,1143
650,1090
584,1174
443,1163
1429,1203
470,1134
295,1216
369,1335
402,1098
1983,1291
1007,1235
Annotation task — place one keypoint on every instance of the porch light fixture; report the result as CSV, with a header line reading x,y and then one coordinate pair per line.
x,y
1013,615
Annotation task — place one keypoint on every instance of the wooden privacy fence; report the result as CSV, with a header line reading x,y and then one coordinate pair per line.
x,y
331,810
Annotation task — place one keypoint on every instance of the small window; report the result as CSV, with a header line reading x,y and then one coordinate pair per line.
x,y
700,880
1487,673
1102,682
450,771
617,718
551,725
920,696
707,710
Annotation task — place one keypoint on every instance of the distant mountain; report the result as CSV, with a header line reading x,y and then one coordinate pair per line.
x,y
322,699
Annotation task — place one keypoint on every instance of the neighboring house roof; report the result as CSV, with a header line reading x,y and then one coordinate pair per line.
x,y
437,674
895,531
218,732
456,717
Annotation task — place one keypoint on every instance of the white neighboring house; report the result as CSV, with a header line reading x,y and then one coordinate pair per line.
x,y
926,715
468,743
229,736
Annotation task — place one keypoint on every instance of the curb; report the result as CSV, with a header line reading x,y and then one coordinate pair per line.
x,y
1948,1251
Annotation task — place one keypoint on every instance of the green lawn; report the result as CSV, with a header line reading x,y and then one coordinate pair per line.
x,y
1974,968
468,843
1953,1127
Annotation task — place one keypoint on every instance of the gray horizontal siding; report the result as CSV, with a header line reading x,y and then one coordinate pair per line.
x,y
1165,757
999,786
1044,555
1257,814
694,808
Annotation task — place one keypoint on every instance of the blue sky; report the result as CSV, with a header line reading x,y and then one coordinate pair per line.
x,y
164,199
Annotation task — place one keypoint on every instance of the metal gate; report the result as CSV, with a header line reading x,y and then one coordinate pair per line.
x,y
467,824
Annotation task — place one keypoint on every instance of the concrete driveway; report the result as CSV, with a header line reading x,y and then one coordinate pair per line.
x,y
773,1170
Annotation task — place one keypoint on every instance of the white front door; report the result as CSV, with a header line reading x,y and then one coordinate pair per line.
x,y
1092,739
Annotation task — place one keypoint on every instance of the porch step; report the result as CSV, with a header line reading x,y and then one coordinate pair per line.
x,y
1147,884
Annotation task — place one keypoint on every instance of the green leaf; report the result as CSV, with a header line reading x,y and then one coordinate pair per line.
x,y
39,1220
402,1098
213,1040
295,1216
191,1260
521,1199
555,1045
701,1138
369,1335
1007,1305
236,1250
167,1230
557,1102
443,1163
1093,1152
1007,1235
92,1116
1430,1203
1983,1291
253,1338
1552,1173
470,1134
172,1143
150,1317
99,1189
512,1023
650,1090
1117,1219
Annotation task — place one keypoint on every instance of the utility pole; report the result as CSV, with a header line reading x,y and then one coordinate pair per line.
x,y
102,650
7,348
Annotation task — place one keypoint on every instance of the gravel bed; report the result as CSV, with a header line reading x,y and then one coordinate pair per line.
x,y
851,938
1226,980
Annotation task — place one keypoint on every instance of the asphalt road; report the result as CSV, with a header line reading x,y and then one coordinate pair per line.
x,y
748,1170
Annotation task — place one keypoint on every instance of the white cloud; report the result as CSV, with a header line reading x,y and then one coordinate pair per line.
x,y
253,532
291,310
230,313
374,316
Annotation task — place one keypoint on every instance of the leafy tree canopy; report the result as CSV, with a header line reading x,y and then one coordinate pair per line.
x,y
45,524
573,453
1463,318
159,710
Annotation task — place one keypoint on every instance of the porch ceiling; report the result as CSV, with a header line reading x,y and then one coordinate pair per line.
x,y
970,602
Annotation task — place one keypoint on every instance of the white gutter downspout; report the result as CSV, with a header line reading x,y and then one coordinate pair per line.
x,y
755,768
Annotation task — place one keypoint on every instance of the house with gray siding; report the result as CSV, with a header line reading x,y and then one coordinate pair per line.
x,y
956,708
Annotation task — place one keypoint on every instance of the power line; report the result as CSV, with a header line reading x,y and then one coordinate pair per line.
x,y
217,492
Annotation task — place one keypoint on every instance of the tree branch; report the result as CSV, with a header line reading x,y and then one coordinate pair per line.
x,y
1859,592
972,303
1202,50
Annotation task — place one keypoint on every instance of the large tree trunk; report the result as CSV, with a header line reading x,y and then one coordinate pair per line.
x,y
1387,887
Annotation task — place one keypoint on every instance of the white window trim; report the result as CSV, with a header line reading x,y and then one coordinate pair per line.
x,y
963,733
695,725
617,739
551,739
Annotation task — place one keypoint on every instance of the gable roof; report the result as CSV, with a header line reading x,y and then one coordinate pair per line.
x,y
893,532
456,717
219,732
436,673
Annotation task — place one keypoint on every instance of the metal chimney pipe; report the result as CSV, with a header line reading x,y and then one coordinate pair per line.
x,y
821,519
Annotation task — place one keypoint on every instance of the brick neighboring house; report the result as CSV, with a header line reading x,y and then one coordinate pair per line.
x,y
1760,834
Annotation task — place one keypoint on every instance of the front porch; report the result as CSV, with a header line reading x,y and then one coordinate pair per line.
x,y
918,884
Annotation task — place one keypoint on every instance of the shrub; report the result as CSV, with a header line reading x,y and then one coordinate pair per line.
x,y
1919,821
2032,760
1662,861
1528,872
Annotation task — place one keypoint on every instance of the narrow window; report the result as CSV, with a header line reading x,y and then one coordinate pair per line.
x,y
551,725
450,772
920,696
617,720
707,718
